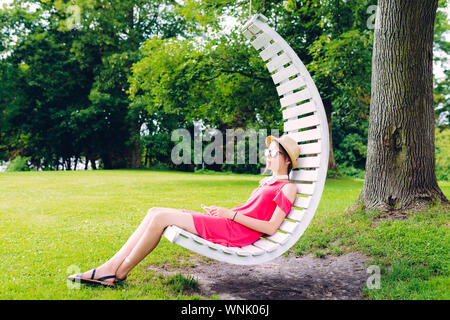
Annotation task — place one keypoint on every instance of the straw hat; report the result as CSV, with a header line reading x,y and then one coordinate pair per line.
x,y
289,144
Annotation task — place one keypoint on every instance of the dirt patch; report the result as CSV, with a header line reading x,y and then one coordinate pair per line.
x,y
284,278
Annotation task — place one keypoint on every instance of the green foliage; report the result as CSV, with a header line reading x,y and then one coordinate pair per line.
x,y
333,174
86,90
219,82
18,164
342,68
65,84
350,171
352,150
442,147
441,94
441,27
179,283
441,90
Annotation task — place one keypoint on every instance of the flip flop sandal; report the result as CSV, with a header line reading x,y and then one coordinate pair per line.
x,y
99,281
120,280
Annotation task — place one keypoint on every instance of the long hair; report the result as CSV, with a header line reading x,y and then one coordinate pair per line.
x,y
285,156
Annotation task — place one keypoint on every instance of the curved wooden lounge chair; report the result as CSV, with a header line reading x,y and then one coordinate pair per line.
x,y
306,122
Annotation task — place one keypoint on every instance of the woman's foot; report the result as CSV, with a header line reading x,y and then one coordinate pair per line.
x,y
123,270
120,276
99,273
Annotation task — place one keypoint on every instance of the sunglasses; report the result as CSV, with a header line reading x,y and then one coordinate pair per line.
x,y
273,152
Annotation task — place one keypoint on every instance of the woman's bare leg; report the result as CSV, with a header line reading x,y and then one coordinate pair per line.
x,y
152,236
118,258
110,267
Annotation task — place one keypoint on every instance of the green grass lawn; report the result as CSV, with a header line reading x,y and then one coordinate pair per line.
x,y
56,223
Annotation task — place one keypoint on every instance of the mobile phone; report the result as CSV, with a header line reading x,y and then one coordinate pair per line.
x,y
205,207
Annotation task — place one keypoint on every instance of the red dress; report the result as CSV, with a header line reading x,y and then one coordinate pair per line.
x,y
261,205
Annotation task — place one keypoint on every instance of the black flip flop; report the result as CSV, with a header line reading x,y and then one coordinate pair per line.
x,y
99,281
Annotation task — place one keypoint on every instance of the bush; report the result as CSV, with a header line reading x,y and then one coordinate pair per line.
x,y
18,164
442,146
351,172
332,174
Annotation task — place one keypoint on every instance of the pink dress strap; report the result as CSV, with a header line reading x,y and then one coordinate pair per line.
x,y
282,201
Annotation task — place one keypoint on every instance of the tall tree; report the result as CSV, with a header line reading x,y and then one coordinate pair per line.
x,y
400,167
64,77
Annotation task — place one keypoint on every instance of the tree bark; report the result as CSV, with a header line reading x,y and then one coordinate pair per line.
x,y
400,164
68,164
331,161
136,157
93,165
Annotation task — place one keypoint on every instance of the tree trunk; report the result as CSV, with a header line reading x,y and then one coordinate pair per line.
x,y
400,165
68,164
135,153
93,165
146,161
331,161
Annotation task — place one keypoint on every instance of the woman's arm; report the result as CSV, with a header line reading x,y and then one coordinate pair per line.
x,y
267,227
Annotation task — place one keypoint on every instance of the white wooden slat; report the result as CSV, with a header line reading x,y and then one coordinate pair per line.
x,y
254,29
305,175
181,232
300,123
311,148
184,236
302,202
239,252
285,73
306,135
270,51
288,226
266,245
226,249
305,188
260,41
298,110
296,214
295,97
291,85
255,251
308,162
279,237
247,34
278,61
172,233
199,240
212,246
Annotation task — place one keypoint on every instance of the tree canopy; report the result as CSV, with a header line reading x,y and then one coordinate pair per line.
x,y
82,78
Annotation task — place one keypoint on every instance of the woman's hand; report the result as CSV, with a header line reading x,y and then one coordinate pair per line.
x,y
221,212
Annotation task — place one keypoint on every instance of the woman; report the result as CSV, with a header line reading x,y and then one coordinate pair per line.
x,y
239,226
